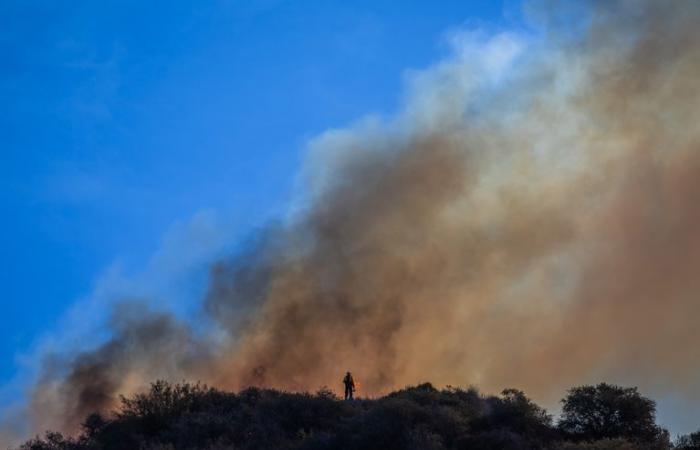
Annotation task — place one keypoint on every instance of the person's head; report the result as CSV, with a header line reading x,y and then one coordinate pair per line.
x,y
347,373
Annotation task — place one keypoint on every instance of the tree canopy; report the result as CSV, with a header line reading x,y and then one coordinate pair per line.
x,y
607,411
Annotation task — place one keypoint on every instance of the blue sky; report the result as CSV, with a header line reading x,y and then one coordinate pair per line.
x,y
123,121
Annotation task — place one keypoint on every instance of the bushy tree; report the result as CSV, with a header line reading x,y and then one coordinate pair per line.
x,y
607,411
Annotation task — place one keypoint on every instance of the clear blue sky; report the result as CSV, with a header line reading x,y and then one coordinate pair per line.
x,y
122,118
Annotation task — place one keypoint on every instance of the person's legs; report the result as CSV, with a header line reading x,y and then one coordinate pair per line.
x,y
347,392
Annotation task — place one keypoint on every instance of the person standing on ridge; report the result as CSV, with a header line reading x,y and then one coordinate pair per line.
x,y
349,386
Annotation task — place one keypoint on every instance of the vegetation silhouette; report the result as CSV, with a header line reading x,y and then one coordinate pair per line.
x,y
194,416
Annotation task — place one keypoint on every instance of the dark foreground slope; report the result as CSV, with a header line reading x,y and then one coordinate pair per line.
x,y
186,416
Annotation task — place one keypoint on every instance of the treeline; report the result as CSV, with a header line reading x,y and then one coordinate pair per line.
x,y
193,416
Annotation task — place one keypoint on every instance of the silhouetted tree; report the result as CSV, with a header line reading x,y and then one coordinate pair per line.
x,y
607,411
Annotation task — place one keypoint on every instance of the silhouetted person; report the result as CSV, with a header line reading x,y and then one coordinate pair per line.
x,y
349,386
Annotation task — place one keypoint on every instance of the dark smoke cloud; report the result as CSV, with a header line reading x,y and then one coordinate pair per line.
x,y
530,220
144,344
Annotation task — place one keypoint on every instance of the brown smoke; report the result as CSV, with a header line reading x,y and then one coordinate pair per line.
x,y
537,232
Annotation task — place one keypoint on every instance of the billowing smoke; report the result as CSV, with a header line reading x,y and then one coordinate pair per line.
x,y
531,218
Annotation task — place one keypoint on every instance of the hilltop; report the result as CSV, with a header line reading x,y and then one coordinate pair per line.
x,y
193,416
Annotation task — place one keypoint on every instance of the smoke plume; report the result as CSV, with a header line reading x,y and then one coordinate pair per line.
x,y
530,218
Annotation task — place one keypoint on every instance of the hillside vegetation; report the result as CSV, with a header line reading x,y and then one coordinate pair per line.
x,y
193,416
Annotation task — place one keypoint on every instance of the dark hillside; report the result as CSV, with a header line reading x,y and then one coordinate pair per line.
x,y
187,416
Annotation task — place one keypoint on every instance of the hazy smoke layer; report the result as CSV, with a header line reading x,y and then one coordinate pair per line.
x,y
530,219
